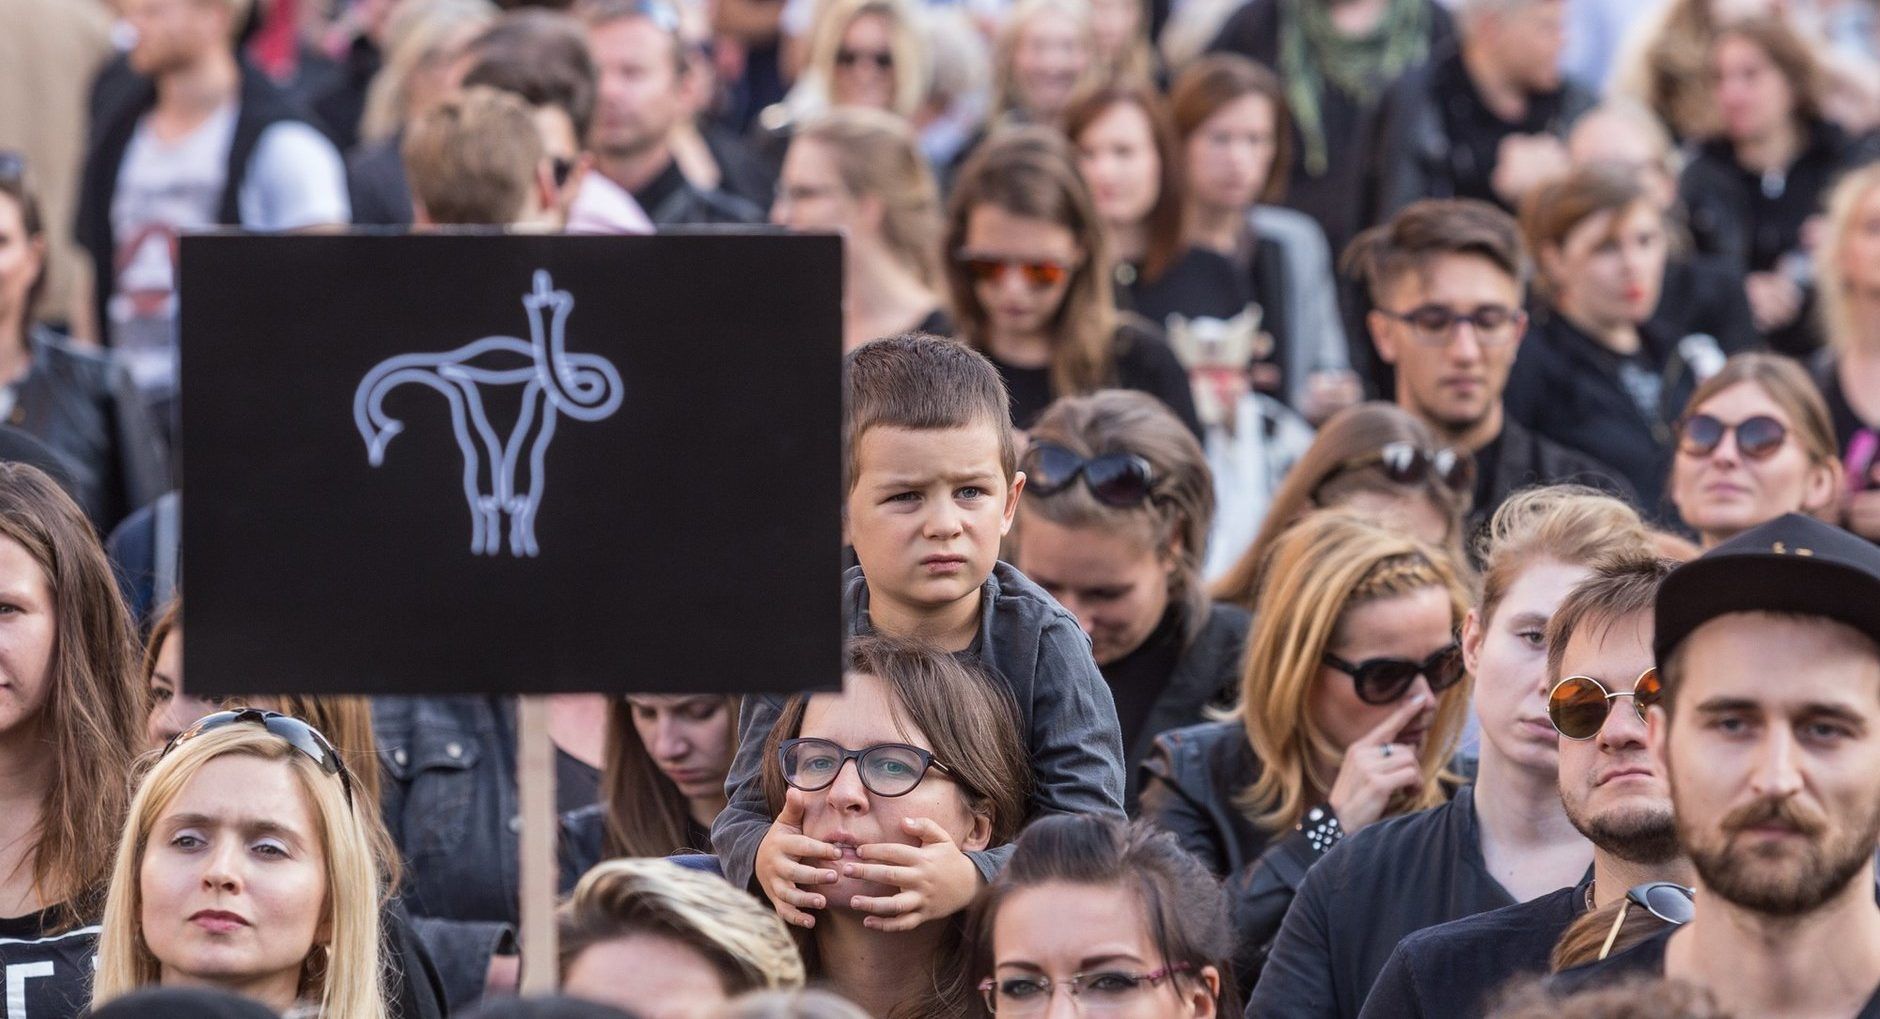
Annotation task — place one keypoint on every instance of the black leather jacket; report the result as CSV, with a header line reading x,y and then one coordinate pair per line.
x,y
83,405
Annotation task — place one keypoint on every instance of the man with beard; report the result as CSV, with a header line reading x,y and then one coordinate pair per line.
x,y
1613,793
1445,278
1769,732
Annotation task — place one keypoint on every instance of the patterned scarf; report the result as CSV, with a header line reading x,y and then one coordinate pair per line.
x,y
1313,54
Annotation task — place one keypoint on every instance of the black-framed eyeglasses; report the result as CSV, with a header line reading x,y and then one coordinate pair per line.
x,y
1406,463
1123,480
1384,680
1091,993
298,734
1667,900
1579,705
1435,326
882,60
886,769
1757,437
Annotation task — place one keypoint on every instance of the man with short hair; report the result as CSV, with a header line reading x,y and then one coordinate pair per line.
x,y
1445,279
198,140
476,159
1612,791
1769,732
1485,119
641,58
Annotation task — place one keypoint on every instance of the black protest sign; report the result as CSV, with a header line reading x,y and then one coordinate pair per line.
x,y
511,464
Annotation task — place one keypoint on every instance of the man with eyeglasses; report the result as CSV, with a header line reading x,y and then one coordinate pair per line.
x,y
1601,677
1445,281
1768,729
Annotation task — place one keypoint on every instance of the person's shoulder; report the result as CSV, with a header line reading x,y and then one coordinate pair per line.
x,y
66,359
1391,837
1251,31
1226,621
1468,935
1018,600
1204,751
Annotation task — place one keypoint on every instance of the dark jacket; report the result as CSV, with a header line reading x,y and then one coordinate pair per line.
x,y
1144,362
1207,673
671,200
1440,140
584,842
375,174
1646,960
1066,716
1518,458
1391,879
1453,970
1703,294
84,406
451,805
1568,388
1190,781
261,106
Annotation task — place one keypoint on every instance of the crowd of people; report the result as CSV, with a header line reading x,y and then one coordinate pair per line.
x,y
1354,508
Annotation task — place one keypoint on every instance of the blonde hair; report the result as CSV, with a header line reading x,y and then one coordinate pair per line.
x,y
473,160
1843,202
1569,524
877,155
345,980
804,1004
419,34
745,942
1325,566
1005,47
910,56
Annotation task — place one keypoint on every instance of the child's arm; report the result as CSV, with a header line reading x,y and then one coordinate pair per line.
x,y
1076,743
741,826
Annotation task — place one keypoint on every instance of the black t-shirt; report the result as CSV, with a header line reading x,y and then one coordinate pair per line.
x,y
1139,677
1452,970
1648,958
51,973
1143,362
1476,132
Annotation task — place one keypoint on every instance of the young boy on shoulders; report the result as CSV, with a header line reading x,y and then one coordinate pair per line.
x,y
933,482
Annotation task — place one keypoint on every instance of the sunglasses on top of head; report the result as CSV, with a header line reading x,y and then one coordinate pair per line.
x,y
1123,480
1757,437
1406,463
298,734
1384,680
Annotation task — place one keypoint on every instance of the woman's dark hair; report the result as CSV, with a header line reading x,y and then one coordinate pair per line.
x,y
644,813
1167,216
1183,904
13,185
1213,81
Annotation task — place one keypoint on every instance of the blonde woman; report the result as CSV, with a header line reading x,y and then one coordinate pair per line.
x,y
1045,53
1352,698
860,173
863,53
245,865
1847,371
663,939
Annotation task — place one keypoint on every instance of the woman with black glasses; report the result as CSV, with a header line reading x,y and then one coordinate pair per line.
x,y
1754,443
1114,523
1352,701
884,789
1028,272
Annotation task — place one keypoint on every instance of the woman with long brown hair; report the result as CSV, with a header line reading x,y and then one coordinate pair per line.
x,y
1028,274
662,783
71,719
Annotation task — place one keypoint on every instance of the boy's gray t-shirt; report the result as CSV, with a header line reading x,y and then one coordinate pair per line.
x,y
1065,710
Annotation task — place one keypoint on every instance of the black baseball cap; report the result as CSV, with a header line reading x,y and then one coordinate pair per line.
x,y
1792,564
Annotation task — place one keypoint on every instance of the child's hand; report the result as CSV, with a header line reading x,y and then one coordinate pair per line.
x,y
936,879
782,868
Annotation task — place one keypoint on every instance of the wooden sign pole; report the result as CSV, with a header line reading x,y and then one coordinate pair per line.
x,y
535,781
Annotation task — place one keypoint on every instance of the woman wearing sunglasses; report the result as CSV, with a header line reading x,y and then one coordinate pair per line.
x,y
892,792
1847,370
1028,275
1118,917
1755,443
1593,374
1352,699
71,719
1113,523
245,865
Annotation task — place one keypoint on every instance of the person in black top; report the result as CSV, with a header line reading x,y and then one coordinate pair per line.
x,y
859,172
1752,189
1028,275
1351,705
71,721
1610,790
1503,840
1595,375
1485,118
662,784
1769,731
1445,280
1847,370
1113,524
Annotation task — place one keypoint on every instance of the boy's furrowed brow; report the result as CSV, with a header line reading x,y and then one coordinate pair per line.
x,y
910,479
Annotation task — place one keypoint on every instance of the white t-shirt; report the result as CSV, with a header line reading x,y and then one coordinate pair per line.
x,y
295,179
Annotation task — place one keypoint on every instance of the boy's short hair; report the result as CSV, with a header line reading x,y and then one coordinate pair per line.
x,y
922,382
1427,230
473,159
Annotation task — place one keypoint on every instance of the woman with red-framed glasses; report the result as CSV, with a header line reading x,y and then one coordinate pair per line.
x,y
1754,443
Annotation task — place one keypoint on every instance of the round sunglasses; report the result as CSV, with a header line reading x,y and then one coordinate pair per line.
x,y
1579,705
1123,480
1384,680
1757,437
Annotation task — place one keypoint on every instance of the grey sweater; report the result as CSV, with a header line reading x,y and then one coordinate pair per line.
x,y
1066,714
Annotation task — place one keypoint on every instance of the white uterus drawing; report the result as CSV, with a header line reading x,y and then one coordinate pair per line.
x,y
585,387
